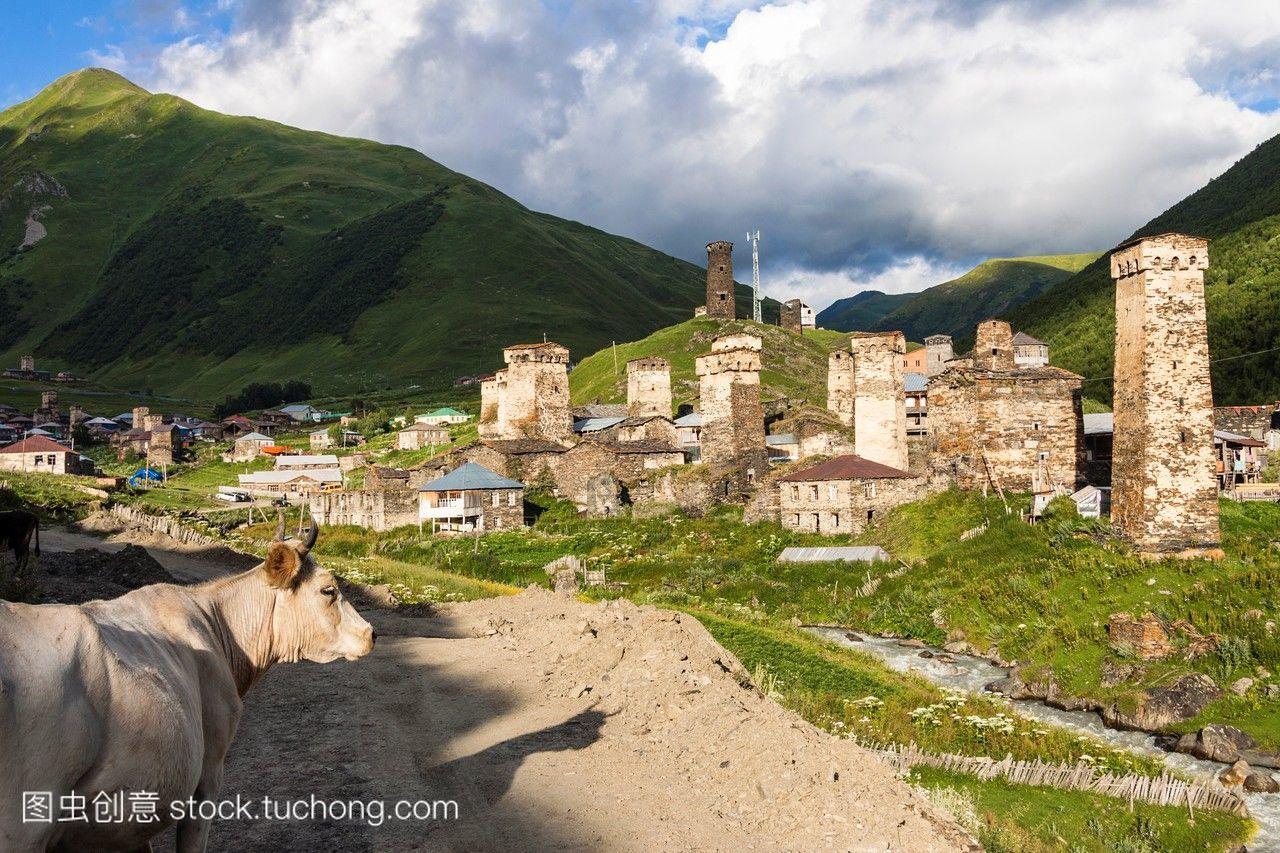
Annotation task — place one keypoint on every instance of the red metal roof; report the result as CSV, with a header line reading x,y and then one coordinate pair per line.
x,y
35,444
848,467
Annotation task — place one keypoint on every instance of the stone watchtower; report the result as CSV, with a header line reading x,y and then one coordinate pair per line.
x,y
535,400
720,300
993,349
649,387
840,385
27,364
492,424
791,316
732,416
140,414
1164,487
880,405
938,351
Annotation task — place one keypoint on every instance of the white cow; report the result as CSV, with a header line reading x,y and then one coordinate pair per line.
x,y
143,693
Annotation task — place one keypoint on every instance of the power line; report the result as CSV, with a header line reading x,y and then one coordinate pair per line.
x,y
1212,362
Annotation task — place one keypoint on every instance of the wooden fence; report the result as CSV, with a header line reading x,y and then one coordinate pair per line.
x,y
1164,790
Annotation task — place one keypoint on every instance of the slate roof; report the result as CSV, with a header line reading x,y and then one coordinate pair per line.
x,y
469,477
595,424
1103,423
35,444
647,446
524,446
253,436
847,467
1022,339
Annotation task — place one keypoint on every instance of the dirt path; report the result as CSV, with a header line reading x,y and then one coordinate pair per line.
x,y
554,725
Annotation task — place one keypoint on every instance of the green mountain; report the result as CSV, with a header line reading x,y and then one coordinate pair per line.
x,y
861,311
991,289
149,243
1239,212
794,366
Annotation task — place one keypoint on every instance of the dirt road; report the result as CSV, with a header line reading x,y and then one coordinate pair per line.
x,y
554,725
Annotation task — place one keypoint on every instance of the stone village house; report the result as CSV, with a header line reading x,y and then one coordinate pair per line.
x,y
843,495
471,498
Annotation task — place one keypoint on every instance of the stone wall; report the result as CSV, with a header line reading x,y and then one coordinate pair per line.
x,y
376,509
535,402
1164,488
1253,421
791,316
720,297
1025,423
491,423
729,401
880,408
649,387
843,507
939,351
840,385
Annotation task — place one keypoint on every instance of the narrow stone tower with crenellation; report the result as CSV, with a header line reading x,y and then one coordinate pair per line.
x,y
649,387
938,351
720,299
880,405
1164,488
840,385
993,348
729,402
534,401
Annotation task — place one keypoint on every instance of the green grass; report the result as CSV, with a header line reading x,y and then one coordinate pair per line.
x,y
447,270
794,366
1010,818
54,498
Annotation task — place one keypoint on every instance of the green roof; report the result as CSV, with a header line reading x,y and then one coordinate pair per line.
x,y
444,413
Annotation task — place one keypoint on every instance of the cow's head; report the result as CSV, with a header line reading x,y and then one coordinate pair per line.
x,y
311,620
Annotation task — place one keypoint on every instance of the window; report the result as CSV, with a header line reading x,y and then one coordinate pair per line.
x,y
817,522
795,519
813,492
871,516
1043,456
995,351
833,491
869,489
1035,425
835,520
511,498
751,475
795,493
497,499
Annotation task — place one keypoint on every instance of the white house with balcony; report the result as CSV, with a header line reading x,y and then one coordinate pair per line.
x,y
471,499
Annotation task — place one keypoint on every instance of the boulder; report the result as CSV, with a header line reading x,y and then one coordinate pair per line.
x,y
1235,774
1216,742
1164,706
1241,686
852,637
911,643
1145,637
958,647
1261,783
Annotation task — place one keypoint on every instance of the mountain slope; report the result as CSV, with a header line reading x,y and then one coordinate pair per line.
x,y
1239,212
794,366
991,289
193,252
860,311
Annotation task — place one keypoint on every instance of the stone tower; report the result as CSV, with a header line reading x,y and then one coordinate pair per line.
x,y
649,387
1164,489
993,349
535,400
27,364
720,301
840,385
880,405
791,316
140,416
732,416
49,401
938,351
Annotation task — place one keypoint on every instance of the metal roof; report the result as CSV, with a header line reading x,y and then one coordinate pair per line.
x,y
326,460
914,383
445,412
775,440
253,436
847,467
470,476
595,424
35,444
693,419
845,554
288,475
1102,423
1022,339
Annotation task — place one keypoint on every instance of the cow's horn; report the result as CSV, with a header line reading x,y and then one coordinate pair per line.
x,y
280,526
310,541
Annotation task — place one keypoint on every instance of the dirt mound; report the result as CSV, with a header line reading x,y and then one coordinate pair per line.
x,y
673,696
72,577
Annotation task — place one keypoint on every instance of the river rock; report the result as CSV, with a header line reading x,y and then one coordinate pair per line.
x,y
852,637
911,643
958,647
1261,783
1010,686
1258,758
1164,706
1216,742
1241,686
1235,774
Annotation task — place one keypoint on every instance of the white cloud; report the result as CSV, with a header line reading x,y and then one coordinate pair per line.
x,y
820,288
857,134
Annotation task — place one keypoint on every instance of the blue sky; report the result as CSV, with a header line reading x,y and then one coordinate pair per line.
x,y
883,144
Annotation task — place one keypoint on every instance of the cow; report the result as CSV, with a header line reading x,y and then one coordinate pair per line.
x,y
139,697
18,529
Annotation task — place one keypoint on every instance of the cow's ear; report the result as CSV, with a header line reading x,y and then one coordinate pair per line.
x,y
282,565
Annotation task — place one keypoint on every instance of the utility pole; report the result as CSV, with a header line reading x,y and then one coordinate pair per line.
x,y
754,237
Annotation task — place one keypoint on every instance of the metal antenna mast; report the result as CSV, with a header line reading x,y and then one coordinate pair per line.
x,y
755,274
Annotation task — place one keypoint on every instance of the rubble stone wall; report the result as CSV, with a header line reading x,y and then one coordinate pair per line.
x,y
880,407
649,387
840,385
843,507
720,297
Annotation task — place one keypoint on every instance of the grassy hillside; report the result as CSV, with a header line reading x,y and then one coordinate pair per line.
x,y
193,252
1239,212
861,311
991,289
794,366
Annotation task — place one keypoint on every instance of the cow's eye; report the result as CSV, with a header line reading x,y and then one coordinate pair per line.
x,y
331,591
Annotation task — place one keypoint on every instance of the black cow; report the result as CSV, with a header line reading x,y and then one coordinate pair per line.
x,y
18,530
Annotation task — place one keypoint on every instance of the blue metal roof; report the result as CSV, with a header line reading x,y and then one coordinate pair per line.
x,y
469,477
914,383
595,424
693,419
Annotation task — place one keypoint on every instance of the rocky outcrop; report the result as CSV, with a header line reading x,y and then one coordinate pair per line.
x,y
1164,706
1261,783
1216,742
